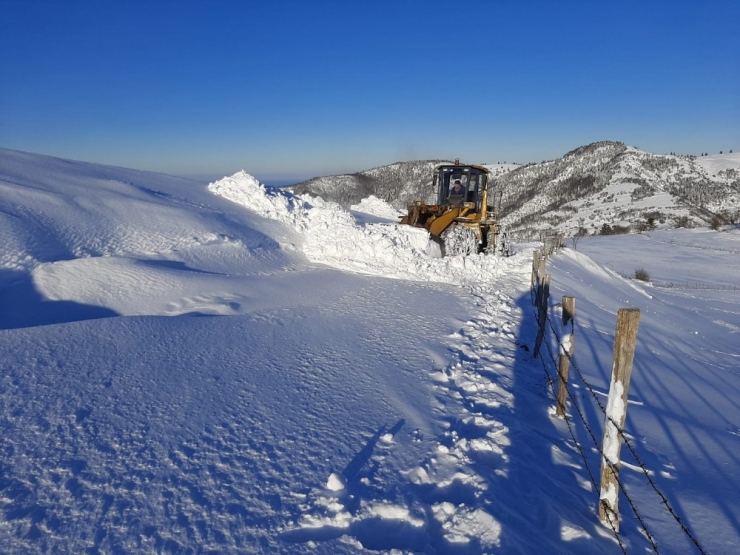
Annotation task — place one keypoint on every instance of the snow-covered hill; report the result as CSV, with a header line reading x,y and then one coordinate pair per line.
x,y
226,368
601,183
611,183
398,184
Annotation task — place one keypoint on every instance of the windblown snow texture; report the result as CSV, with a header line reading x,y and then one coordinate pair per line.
x,y
186,371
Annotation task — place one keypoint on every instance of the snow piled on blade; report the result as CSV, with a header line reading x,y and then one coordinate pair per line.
x,y
333,237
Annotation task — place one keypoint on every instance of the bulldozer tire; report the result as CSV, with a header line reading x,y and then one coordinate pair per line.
x,y
458,240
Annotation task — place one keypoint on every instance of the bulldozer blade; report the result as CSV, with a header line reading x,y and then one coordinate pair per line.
x,y
443,221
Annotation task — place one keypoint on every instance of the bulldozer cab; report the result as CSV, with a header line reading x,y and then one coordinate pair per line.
x,y
472,180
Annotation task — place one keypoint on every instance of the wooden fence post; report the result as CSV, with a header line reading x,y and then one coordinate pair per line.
x,y
541,265
566,352
628,320
535,268
543,294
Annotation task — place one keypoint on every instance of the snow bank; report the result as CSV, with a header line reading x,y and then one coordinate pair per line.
x,y
375,207
332,237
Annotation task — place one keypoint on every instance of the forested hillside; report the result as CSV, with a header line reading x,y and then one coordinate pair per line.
x,y
602,184
617,185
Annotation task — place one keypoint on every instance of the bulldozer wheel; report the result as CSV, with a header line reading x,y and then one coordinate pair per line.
x,y
458,239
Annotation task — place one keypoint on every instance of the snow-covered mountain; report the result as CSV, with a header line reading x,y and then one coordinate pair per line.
x,y
614,184
398,184
601,183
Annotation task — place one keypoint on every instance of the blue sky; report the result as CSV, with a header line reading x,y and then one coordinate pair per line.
x,y
294,89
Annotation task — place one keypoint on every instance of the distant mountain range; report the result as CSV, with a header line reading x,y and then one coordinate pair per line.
x,y
601,183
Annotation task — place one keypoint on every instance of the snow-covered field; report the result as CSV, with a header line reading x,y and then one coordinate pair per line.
x,y
715,163
229,368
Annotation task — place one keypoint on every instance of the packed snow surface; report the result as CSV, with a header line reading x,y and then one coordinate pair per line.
x,y
228,369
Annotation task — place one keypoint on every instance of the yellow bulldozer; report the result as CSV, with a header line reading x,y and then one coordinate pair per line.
x,y
465,218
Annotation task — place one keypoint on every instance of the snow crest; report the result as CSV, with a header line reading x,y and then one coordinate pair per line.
x,y
332,236
375,207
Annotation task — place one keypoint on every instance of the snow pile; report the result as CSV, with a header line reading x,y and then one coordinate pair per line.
x,y
331,236
244,189
375,207
54,210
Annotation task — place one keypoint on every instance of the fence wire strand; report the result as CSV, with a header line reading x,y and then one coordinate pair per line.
x,y
578,447
629,445
535,292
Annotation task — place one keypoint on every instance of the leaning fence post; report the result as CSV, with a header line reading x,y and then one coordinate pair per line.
x,y
628,321
566,353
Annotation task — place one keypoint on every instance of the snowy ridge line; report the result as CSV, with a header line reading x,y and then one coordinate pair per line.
x,y
565,351
331,236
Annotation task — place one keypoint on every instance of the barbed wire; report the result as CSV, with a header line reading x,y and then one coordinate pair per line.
x,y
577,444
620,431
695,286
612,466
580,450
630,447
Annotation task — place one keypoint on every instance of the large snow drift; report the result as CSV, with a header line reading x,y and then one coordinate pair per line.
x,y
332,236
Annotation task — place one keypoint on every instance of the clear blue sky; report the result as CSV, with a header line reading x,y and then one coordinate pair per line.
x,y
294,89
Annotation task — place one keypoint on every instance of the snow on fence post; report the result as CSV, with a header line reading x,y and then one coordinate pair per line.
x,y
541,265
628,320
567,347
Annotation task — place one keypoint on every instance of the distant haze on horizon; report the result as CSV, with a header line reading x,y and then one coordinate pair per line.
x,y
290,90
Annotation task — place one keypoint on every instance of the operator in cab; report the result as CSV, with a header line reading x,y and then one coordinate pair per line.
x,y
457,194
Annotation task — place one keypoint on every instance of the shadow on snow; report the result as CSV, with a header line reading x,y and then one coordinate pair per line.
x,y
21,305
